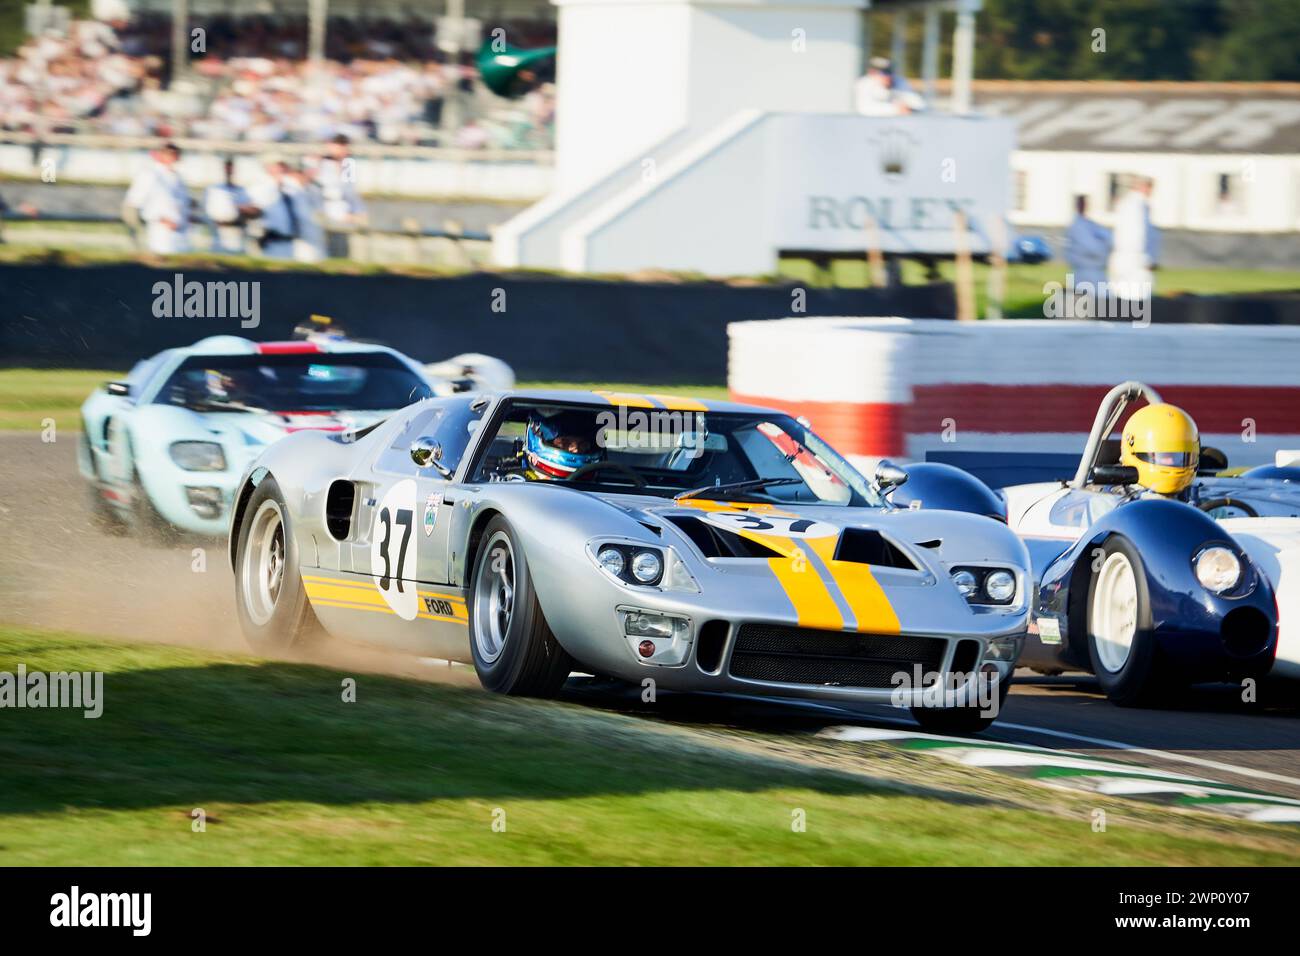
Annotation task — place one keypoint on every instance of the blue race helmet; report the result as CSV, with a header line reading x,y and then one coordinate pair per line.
x,y
558,444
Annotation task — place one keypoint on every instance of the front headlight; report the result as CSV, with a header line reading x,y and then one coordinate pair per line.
x,y
642,565
647,566
995,587
1218,569
198,455
1000,586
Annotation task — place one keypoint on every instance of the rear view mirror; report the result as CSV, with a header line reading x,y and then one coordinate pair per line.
x,y
117,388
702,441
1212,461
889,476
1113,475
426,452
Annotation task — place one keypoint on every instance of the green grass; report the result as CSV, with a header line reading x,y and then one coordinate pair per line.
x,y
415,773
693,391
28,396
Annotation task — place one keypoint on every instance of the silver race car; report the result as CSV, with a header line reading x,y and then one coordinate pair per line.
x,y
706,546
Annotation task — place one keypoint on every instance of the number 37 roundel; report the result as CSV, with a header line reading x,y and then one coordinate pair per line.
x,y
392,549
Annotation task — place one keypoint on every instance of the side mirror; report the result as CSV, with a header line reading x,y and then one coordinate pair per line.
x,y
889,476
118,388
1113,475
1212,461
427,453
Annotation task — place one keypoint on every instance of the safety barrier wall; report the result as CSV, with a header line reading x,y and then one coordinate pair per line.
x,y
547,328
893,387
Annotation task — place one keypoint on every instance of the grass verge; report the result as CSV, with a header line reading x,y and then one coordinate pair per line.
x,y
417,773
29,396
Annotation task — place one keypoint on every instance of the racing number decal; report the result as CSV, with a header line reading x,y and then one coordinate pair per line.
x,y
386,519
782,526
393,549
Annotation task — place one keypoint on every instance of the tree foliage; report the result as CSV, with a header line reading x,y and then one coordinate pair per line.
x,y
1139,40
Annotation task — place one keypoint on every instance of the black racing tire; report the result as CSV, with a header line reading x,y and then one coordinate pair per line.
x,y
149,524
1140,678
274,617
514,650
104,517
960,721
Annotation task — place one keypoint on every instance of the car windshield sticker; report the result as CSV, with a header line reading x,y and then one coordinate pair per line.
x,y
431,512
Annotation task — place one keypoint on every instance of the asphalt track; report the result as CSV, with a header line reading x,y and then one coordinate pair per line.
x,y
58,570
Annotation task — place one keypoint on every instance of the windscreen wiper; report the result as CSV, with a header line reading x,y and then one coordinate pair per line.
x,y
724,491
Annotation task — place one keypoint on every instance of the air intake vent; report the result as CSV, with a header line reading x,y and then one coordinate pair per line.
x,y
718,543
713,639
800,655
338,509
862,546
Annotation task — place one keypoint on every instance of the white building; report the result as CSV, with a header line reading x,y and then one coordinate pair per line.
x,y
714,135
1225,156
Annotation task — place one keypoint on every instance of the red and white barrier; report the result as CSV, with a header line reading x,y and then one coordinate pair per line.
x,y
892,387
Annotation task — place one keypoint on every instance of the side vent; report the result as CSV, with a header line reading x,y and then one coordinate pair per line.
x,y
863,546
719,543
339,502
965,657
713,640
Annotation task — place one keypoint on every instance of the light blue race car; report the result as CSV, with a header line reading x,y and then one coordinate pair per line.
x,y
164,449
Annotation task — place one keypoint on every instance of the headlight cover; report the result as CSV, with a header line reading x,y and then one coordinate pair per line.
x,y
986,587
198,455
1218,569
642,565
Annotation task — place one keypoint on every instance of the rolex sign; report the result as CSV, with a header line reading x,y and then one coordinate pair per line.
x,y
846,181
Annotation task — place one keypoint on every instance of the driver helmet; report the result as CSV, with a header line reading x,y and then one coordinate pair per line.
x,y
1162,443
558,444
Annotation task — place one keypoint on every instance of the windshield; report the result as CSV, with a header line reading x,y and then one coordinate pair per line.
x,y
723,455
299,382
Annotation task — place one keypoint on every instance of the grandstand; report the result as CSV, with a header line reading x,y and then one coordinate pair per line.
x,y
402,83
381,75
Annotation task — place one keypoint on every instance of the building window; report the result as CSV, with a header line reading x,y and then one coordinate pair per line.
x,y
1229,197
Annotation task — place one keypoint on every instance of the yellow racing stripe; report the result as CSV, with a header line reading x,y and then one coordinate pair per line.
x,y
679,403
626,399
807,592
364,596
862,592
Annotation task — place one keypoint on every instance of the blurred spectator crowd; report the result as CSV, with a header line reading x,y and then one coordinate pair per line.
x,y
382,81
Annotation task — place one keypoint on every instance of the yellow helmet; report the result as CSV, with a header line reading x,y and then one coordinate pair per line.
x,y
1162,443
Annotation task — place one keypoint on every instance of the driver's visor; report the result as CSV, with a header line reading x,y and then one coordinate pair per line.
x,y
1168,459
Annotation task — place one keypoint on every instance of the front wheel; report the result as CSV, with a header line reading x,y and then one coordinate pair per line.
x,y
270,599
960,721
513,647
1121,643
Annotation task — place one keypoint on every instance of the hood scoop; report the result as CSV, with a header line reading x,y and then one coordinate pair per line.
x,y
865,546
715,542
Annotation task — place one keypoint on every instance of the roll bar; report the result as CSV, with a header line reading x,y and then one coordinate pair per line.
x,y
1108,416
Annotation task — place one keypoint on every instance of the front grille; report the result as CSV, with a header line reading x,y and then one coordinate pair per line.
x,y
801,655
